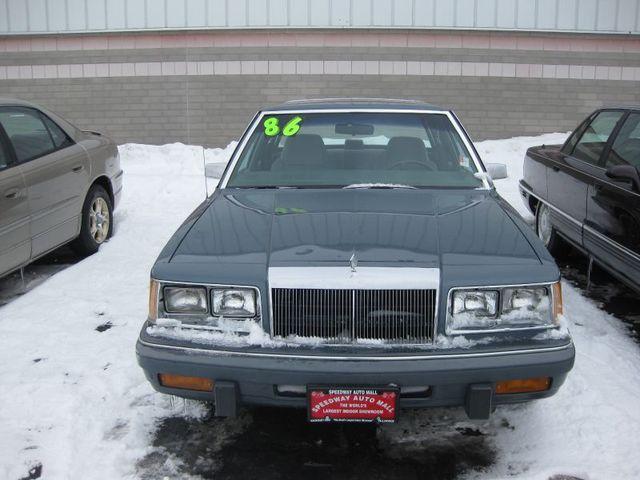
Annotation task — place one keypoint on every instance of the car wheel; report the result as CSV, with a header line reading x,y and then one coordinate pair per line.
x,y
97,221
546,232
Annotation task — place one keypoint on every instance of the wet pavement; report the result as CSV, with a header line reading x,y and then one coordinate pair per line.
x,y
14,285
271,443
609,294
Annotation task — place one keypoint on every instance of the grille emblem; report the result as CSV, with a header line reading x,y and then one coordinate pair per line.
x,y
353,262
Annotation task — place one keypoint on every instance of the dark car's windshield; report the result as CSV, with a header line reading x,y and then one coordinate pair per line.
x,y
391,150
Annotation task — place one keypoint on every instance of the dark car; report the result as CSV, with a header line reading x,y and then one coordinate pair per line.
x,y
355,260
587,191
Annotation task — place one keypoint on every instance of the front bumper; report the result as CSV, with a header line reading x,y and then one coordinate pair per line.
x,y
453,379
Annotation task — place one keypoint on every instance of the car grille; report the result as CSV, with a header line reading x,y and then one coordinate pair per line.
x,y
348,316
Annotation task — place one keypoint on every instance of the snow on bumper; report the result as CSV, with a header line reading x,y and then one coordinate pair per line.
x,y
242,377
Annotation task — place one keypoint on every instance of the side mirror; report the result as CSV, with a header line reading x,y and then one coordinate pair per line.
x,y
497,171
625,173
214,170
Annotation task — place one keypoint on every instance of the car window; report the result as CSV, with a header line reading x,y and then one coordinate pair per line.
x,y
355,149
4,160
591,145
60,139
577,133
27,132
626,147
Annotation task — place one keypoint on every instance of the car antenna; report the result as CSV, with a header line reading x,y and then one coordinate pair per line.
x,y
204,169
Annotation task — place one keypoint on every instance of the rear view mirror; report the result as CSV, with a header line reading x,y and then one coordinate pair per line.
x,y
354,129
497,171
214,170
625,173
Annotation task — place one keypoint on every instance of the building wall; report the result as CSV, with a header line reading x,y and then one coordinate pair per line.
x,y
64,16
203,87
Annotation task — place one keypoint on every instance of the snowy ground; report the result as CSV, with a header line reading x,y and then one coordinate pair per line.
x,y
75,404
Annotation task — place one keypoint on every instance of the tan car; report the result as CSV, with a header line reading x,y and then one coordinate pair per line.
x,y
58,184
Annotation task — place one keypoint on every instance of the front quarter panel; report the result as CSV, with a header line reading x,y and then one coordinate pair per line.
x,y
104,162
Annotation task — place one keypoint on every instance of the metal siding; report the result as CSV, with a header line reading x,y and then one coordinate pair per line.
x,y
403,13
135,16
506,14
486,13
320,12
42,16
425,13
361,12
567,19
465,13
237,13
445,13
382,13
340,13
606,19
217,13
37,15
176,12
257,14
116,15
96,16
299,12
547,14
155,17
77,14
627,11
196,13
587,14
278,12
526,17
17,17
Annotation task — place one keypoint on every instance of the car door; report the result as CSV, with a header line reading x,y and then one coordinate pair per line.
x,y
612,230
577,168
56,174
15,241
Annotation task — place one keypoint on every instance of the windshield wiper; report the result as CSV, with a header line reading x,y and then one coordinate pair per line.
x,y
379,186
267,187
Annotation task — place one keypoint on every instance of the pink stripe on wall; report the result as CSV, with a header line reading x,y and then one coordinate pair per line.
x,y
297,38
321,67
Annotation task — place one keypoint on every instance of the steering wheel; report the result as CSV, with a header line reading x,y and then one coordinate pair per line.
x,y
412,162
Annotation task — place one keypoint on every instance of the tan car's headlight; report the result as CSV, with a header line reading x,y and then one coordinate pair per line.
x,y
185,300
505,308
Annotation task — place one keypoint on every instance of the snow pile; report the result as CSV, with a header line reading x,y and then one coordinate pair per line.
x,y
74,400
511,152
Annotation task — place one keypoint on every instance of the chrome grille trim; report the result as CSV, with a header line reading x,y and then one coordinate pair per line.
x,y
347,316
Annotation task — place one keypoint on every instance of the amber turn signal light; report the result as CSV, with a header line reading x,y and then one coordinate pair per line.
x,y
557,301
186,383
153,300
527,385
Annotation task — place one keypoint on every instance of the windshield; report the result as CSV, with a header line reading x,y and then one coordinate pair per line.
x,y
355,150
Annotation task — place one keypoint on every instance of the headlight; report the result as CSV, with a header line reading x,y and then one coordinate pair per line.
x,y
234,302
481,303
506,308
185,300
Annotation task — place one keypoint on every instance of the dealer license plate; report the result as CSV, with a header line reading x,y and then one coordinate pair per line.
x,y
341,404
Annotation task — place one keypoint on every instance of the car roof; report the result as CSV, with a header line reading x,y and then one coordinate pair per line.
x,y
354,104
620,107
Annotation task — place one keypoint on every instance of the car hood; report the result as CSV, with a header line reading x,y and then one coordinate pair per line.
x,y
417,228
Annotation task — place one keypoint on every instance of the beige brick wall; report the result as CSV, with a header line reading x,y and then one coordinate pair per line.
x,y
203,88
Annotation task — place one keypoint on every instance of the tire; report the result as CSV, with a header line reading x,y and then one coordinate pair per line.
x,y
97,221
547,233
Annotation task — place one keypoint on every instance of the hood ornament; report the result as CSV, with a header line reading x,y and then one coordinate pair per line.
x,y
353,262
